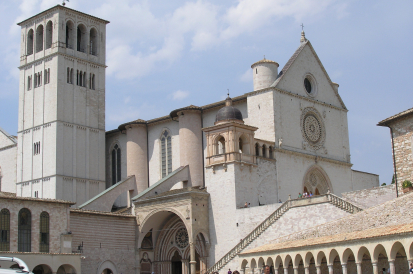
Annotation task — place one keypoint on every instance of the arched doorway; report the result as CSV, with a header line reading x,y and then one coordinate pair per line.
x,y
176,264
316,181
66,269
107,271
42,269
172,243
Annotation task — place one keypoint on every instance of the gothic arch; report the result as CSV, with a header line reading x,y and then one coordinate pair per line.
x,y
165,152
317,180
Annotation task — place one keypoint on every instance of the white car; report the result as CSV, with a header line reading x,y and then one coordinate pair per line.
x,y
23,268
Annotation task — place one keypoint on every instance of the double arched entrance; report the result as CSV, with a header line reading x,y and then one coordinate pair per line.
x,y
316,181
169,247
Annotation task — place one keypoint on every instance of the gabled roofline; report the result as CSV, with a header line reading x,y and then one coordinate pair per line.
x,y
11,138
292,60
62,7
403,114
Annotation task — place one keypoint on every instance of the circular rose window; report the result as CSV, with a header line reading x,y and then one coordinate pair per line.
x,y
312,128
181,238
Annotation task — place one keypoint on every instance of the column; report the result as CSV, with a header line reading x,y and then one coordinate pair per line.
x,y
375,268
190,139
285,270
275,270
192,257
295,270
359,271
344,267
242,271
185,266
307,270
259,270
136,154
318,269
330,269
392,267
203,264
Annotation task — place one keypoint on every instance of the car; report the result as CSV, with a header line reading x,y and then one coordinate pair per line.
x,y
22,266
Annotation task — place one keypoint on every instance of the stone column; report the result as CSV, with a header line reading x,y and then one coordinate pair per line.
x,y
185,266
242,271
318,269
295,270
344,267
392,267
190,142
203,264
330,269
192,258
359,270
137,154
375,268
285,270
307,270
259,270
275,270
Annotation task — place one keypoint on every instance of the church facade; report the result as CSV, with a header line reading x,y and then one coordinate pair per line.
x,y
196,181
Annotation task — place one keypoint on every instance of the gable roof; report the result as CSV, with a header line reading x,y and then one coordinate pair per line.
x,y
10,137
391,119
292,60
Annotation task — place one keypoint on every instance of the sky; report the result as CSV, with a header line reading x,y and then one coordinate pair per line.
x,y
163,55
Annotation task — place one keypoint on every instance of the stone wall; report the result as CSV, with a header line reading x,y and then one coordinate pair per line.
x,y
364,180
366,198
105,238
395,212
58,221
8,160
403,149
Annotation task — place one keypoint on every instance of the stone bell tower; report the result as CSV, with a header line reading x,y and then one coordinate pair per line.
x,y
229,140
61,132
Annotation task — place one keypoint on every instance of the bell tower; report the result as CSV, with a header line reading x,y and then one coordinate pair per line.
x,y
61,131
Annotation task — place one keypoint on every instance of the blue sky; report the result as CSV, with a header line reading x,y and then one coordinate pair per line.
x,y
163,55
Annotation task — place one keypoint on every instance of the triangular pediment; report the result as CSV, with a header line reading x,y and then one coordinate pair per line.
x,y
305,62
6,139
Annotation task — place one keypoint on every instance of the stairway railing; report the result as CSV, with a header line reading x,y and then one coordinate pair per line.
x,y
330,198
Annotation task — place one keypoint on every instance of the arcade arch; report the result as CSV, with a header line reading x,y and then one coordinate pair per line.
x,y
316,181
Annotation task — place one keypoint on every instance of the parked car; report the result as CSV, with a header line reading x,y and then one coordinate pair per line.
x,y
22,266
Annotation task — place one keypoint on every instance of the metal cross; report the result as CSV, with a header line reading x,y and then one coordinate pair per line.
x,y
228,92
302,26
64,2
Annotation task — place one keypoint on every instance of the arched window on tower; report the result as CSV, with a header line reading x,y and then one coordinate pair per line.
x,y
30,42
257,150
220,145
93,41
39,38
166,153
81,38
49,34
4,230
116,164
44,232
69,34
25,230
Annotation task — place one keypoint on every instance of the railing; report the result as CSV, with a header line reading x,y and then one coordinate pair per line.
x,y
327,198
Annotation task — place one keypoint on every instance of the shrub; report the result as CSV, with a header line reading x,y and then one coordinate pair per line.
x,y
383,184
406,184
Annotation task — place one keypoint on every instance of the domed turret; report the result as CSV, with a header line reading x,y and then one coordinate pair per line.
x,y
264,73
228,112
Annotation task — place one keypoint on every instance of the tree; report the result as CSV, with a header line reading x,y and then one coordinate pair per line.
x,y
392,179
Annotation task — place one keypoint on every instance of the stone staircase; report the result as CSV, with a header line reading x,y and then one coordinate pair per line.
x,y
327,198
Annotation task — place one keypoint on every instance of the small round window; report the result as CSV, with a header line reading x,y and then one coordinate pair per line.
x,y
307,85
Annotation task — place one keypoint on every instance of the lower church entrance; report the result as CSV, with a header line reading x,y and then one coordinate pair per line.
x,y
176,264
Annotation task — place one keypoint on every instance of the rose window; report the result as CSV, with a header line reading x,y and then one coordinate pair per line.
x,y
181,238
312,128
